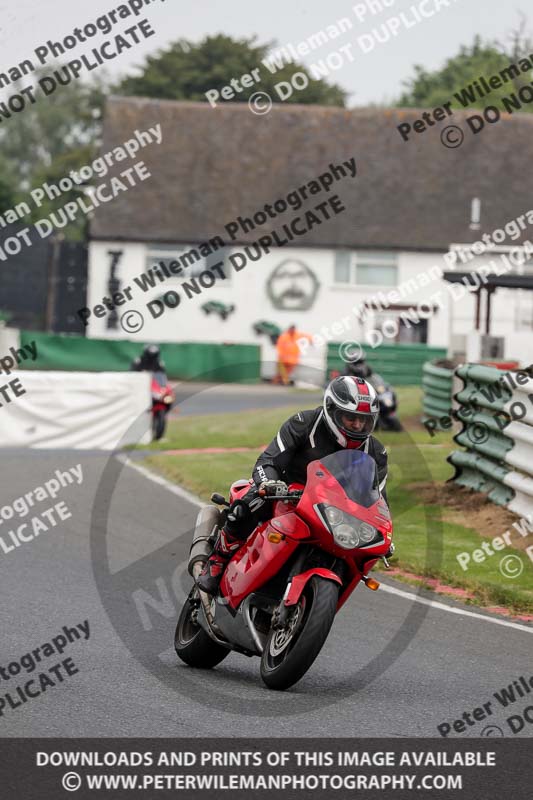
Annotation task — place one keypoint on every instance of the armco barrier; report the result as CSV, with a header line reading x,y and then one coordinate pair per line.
x,y
496,409
399,364
437,383
184,360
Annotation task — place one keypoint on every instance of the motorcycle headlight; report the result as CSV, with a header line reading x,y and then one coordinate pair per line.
x,y
366,532
346,536
333,515
347,531
167,399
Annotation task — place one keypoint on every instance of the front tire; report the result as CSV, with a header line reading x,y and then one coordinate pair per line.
x,y
192,644
289,652
158,424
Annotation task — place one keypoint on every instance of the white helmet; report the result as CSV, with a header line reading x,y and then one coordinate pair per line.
x,y
348,398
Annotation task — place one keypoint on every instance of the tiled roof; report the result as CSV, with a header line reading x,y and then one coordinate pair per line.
x,y
217,163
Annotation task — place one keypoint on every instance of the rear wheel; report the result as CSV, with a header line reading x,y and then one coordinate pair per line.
x,y
290,651
191,642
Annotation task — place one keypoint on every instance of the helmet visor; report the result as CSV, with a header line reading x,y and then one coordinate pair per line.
x,y
354,425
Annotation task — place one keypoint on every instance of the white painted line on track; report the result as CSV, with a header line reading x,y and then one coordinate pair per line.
x,y
172,487
452,609
192,498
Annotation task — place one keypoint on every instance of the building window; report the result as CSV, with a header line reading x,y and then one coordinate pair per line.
x,y
218,256
399,329
342,266
376,269
366,269
158,254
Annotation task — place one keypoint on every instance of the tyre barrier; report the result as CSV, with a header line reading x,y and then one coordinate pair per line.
x,y
496,412
437,383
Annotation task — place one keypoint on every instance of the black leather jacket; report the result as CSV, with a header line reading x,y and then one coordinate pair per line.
x,y
147,364
302,439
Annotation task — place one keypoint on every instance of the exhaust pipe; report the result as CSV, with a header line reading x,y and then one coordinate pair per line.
x,y
204,537
203,540
204,598
208,522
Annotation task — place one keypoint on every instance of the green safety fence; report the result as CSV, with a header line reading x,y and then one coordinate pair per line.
x,y
219,363
399,364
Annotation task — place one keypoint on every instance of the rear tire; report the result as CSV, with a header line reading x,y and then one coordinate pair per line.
x,y
288,655
193,645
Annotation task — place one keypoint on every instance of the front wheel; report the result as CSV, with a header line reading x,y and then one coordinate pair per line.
x,y
191,642
290,651
158,423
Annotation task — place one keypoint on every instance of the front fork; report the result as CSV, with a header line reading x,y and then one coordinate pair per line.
x,y
389,554
281,613
295,586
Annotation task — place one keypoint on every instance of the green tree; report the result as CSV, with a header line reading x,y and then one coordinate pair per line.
x,y
186,71
7,195
49,138
60,167
65,120
428,89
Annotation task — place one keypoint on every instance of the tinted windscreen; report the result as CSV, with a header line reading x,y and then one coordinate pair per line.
x,y
161,378
356,472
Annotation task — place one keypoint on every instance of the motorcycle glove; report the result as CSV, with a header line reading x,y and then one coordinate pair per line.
x,y
274,488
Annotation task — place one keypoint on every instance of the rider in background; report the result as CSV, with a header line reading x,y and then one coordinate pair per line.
x,y
150,360
345,420
358,368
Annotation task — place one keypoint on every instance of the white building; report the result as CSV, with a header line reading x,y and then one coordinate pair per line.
x,y
383,244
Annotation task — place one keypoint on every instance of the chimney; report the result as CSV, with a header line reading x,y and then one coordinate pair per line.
x,y
475,214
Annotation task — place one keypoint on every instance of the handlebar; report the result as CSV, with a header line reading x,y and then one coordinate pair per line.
x,y
295,494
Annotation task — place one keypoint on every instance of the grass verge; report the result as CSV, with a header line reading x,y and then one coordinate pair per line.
x,y
414,458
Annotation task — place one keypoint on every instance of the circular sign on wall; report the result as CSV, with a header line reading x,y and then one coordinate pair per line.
x,y
292,286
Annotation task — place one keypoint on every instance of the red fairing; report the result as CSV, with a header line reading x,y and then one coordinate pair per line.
x,y
259,560
159,393
322,487
263,555
238,489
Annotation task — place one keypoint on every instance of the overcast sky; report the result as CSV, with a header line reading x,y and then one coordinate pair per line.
x,y
373,77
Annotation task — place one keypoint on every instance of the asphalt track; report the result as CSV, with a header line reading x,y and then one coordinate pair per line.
x,y
198,398
391,667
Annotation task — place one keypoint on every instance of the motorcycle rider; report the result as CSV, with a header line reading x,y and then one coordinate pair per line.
x,y
150,360
358,368
345,420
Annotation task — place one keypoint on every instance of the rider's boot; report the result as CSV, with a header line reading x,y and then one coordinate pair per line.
x,y
227,543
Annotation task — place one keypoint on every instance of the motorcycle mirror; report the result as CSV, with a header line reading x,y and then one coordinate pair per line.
x,y
219,500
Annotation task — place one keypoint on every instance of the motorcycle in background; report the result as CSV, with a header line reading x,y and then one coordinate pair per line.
x,y
388,403
162,400
281,590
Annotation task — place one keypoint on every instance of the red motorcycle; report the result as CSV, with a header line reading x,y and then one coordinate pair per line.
x,y
162,399
281,590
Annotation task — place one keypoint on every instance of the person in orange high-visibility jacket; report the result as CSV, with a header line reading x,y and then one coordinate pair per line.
x,y
288,353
